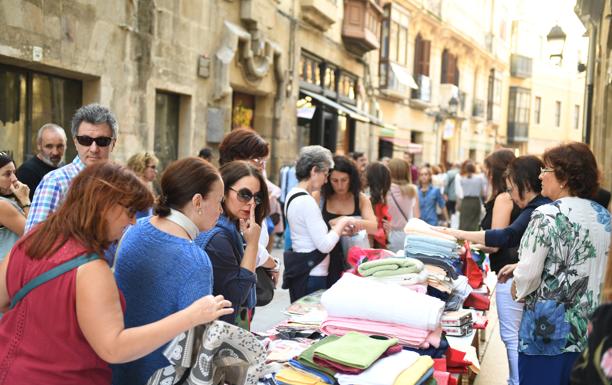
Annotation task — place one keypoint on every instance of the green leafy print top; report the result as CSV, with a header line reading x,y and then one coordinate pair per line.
x,y
563,254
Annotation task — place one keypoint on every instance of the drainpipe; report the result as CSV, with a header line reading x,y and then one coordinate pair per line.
x,y
588,97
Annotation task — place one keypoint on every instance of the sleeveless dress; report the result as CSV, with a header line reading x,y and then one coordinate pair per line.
x,y
7,237
337,261
40,339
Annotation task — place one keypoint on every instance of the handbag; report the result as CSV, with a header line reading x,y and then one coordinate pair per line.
x,y
264,286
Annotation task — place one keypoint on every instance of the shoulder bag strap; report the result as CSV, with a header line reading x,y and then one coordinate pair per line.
x,y
398,207
51,274
291,199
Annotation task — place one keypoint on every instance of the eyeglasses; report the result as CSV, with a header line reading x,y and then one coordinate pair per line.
x,y
101,141
546,169
258,161
245,195
509,190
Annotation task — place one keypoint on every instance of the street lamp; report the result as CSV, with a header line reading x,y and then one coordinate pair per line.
x,y
453,105
556,40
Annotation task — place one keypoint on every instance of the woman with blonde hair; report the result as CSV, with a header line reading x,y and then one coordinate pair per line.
x,y
403,202
144,165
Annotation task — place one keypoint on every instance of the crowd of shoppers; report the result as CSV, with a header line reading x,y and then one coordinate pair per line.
x,y
123,288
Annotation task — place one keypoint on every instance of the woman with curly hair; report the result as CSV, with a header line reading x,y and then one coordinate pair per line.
x,y
562,259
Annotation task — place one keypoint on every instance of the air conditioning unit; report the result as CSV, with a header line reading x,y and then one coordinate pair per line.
x,y
448,91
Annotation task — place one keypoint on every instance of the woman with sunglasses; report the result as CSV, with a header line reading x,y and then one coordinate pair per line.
x,y
160,269
14,205
69,328
234,242
246,144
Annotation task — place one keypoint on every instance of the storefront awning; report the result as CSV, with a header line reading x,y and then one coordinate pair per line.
x,y
404,144
403,76
339,107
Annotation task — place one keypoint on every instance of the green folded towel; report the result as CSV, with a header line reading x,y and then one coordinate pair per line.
x,y
391,266
355,350
306,358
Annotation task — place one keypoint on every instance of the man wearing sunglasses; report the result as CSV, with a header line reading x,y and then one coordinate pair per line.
x,y
94,129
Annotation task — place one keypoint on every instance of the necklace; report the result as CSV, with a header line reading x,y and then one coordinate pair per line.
x,y
182,220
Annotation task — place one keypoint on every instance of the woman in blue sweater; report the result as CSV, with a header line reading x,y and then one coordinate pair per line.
x,y
160,269
233,244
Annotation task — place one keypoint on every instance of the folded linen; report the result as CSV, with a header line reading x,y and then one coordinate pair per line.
x,y
433,241
357,297
407,336
390,267
321,375
383,372
355,349
416,372
291,376
341,368
307,356
404,279
436,261
418,226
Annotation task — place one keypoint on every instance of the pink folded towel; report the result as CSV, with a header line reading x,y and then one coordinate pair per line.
x,y
416,338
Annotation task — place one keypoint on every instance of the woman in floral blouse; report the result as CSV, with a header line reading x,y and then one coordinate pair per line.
x,y
563,255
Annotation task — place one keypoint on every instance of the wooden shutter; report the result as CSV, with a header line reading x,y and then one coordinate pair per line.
x,y
418,49
445,64
425,53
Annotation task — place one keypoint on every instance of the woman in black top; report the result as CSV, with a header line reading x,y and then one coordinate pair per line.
x,y
342,197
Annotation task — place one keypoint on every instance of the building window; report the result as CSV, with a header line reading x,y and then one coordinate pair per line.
x,y
29,99
450,71
537,108
243,110
422,50
310,71
557,114
166,127
394,40
494,97
576,116
518,108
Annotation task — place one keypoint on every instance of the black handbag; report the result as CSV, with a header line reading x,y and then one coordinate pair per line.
x,y
264,287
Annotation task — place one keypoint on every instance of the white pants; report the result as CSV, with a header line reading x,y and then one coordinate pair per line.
x,y
510,314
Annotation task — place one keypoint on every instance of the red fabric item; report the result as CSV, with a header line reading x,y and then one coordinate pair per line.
x,y
382,213
439,364
455,359
441,378
477,301
356,256
453,380
471,269
40,339
340,368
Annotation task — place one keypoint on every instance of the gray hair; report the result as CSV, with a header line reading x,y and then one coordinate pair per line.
x,y
50,126
95,114
312,156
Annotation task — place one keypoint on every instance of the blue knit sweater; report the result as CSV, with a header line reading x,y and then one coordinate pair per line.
x,y
159,274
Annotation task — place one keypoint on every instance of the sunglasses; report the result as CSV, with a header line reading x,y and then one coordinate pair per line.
x,y
245,195
101,141
546,169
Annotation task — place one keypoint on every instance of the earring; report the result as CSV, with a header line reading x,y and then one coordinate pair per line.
x,y
200,212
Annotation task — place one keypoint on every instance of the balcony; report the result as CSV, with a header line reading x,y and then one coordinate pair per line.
x,y
520,66
398,81
478,109
361,26
518,132
421,97
319,13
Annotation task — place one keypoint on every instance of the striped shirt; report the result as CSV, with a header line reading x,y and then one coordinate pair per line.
x,y
51,192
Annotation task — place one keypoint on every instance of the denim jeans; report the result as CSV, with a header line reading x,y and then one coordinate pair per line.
x,y
510,313
315,283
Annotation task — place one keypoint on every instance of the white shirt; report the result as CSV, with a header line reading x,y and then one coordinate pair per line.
x,y
308,229
262,250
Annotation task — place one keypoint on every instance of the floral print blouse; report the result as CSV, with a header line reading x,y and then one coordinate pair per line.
x,y
563,255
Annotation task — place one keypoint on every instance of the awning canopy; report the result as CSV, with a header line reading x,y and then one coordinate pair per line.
x,y
339,107
403,76
404,144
